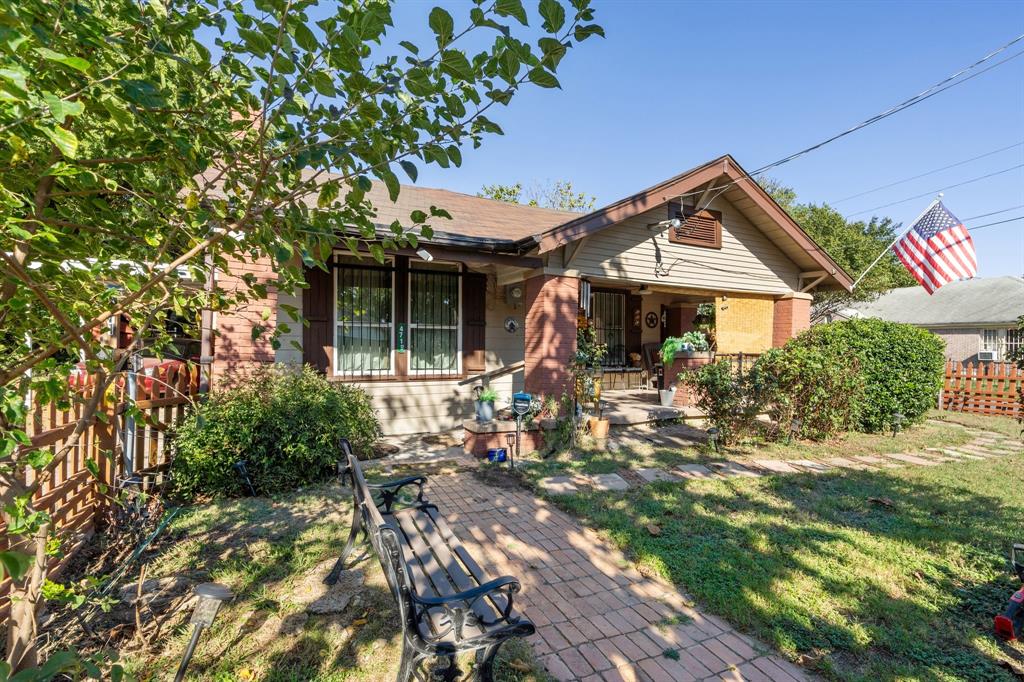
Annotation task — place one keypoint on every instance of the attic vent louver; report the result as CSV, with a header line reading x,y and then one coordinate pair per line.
x,y
699,228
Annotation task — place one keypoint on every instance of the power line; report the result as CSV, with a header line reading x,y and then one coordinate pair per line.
x,y
934,191
931,172
998,222
985,215
941,86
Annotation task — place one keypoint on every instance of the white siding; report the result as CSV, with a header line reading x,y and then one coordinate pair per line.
x,y
747,261
288,353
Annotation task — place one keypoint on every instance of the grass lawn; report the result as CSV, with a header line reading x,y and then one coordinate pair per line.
x,y
851,588
272,554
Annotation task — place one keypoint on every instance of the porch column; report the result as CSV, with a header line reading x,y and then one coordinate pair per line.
x,y
235,352
552,303
792,315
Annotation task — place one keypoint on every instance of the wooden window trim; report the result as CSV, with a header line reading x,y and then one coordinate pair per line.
x,y
676,210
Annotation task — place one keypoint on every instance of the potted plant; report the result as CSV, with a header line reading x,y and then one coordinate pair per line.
x,y
678,353
485,405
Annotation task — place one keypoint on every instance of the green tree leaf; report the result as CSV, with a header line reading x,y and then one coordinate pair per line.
x,y
442,24
543,78
553,14
76,63
15,564
512,8
64,140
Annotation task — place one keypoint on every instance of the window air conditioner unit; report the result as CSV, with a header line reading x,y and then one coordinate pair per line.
x,y
988,356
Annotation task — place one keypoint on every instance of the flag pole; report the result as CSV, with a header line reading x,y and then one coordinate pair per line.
x,y
898,237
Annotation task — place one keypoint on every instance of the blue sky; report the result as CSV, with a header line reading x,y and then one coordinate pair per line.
x,y
678,83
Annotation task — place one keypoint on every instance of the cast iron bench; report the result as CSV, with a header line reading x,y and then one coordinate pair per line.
x,y
446,602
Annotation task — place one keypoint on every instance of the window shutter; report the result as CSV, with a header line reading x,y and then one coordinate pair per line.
x,y
699,228
317,304
634,324
474,322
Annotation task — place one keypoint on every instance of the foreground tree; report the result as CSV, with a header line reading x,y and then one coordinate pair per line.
x,y
144,144
852,244
557,194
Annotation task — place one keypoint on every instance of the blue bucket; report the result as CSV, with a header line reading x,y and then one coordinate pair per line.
x,y
497,455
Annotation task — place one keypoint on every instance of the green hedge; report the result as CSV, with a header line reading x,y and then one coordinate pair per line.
x,y
901,365
283,422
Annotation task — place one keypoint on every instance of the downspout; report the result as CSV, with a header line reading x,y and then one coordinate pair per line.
x,y
206,332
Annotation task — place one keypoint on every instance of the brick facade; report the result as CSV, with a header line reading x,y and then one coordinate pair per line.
x,y
552,303
234,350
792,315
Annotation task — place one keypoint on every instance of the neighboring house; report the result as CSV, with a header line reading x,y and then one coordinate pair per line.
x,y
977,318
498,303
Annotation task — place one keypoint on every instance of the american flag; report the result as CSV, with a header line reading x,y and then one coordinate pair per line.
x,y
937,249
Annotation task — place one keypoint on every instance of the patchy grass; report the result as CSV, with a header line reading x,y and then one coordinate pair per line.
x,y
271,553
1005,425
852,589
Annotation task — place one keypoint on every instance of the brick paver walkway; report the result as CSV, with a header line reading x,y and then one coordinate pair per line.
x,y
597,618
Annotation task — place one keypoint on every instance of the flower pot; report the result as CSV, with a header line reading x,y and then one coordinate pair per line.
x,y
667,395
599,428
484,411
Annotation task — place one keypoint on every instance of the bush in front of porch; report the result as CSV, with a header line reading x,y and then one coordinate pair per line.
x,y
283,422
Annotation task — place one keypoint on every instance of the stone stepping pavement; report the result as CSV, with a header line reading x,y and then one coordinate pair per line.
x,y
980,448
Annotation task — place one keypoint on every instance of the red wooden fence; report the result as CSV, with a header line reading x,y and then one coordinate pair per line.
x,y
71,494
985,388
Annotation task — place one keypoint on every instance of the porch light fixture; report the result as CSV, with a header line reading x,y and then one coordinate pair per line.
x,y
425,255
644,290
674,223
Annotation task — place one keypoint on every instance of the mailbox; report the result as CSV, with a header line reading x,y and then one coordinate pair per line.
x,y
521,403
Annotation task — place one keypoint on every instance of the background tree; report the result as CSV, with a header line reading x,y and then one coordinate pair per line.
x,y
557,194
852,244
135,159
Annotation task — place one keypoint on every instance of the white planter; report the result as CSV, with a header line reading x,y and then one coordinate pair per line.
x,y
484,411
668,396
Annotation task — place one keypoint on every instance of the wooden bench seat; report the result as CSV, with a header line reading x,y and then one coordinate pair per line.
x,y
447,601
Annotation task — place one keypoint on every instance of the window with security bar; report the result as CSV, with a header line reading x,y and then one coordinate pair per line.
x,y
608,311
364,306
434,305
1014,343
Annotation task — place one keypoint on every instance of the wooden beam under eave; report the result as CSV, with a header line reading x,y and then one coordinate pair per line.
x,y
807,287
572,250
703,197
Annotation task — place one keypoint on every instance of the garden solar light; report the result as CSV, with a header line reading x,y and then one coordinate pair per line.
x,y
713,438
897,422
794,429
210,597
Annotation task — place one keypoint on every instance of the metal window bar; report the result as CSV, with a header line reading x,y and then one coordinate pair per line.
x,y
609,311
434,304
364,322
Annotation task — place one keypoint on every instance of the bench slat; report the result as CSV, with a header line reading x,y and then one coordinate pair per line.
x,y
450,540
426,569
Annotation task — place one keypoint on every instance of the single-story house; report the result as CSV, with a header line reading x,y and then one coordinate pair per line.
x,y
498,297
977,318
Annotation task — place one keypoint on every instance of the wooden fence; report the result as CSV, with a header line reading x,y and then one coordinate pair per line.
x,y
122,442
985,388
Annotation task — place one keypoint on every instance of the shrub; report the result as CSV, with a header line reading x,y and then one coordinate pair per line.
x,y
901,364
728,400
283,422
820,387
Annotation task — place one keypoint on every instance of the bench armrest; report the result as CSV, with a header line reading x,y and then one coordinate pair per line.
x,y
389,490
459,606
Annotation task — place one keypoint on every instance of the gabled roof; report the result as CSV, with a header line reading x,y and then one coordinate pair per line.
x,y
979,301
737,186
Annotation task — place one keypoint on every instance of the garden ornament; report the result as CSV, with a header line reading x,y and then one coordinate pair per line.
x,y
1009,625
713,433
210,597
897,423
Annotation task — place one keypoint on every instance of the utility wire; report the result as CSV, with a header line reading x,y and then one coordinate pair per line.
x,y
941,86
998,222
931,172
935,191
985,215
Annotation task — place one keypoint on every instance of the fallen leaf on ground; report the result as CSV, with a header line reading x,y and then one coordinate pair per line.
x,y
358,621
521,666
653,529
884,501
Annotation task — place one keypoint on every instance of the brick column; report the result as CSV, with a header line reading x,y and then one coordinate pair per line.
x,y
235,352
792,315
552,304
